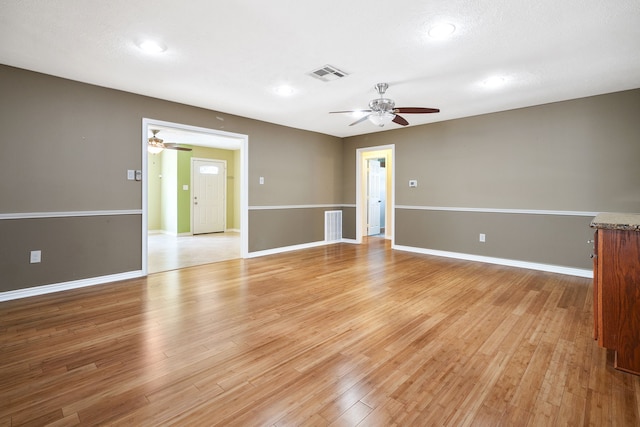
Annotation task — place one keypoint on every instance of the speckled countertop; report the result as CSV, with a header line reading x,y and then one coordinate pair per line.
x,y
617,221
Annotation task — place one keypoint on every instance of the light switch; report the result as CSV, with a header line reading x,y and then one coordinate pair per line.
x,y
131,175
185,187
36,257
261,180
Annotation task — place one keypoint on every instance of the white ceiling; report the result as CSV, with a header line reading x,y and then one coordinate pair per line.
x,y
230,55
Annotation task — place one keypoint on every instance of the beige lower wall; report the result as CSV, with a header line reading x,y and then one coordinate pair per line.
x,y
560,240
349,223
275,228
73,248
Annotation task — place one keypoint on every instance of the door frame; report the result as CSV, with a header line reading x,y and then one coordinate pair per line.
x,y
369,184
224,195
362,154
244,181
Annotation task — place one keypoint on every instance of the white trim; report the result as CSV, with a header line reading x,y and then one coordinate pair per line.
x,y
244,196
289,248
500,261
65,286
297,247
360,204
264,208
145,197
497,210
31,215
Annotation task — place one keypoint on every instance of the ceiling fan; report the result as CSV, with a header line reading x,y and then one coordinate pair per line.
x,y
156,144
383,110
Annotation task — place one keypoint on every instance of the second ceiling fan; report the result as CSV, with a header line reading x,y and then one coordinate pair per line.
x,y
383,110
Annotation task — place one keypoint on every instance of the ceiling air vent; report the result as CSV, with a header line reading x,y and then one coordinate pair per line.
x,y
328,73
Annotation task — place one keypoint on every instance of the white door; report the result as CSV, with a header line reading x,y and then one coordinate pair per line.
x,y
208,192
373,197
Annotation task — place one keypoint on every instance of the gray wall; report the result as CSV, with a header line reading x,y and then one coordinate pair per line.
x,y
579,155
66,146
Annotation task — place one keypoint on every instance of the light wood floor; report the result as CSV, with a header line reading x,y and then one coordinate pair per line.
x,y
340,335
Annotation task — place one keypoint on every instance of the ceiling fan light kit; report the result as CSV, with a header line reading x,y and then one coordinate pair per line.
x,y
154,149
382,110
156,145
381,118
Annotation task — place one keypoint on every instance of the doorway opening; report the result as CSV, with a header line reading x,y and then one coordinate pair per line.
x,y
169,239
375,199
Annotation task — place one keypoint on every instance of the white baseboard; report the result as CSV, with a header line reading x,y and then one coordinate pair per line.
x,y
169,233
288,249
65,286
235,230
58,287
501,261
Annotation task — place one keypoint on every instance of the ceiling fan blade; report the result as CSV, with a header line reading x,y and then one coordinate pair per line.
x,y
175,147
360,120
416,110
400,120
351,111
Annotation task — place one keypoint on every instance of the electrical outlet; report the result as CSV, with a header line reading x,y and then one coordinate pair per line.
x,y
36,257
483,237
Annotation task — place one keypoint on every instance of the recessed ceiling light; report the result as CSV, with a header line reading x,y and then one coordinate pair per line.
x,y
494,82
152,46
284,90
440,31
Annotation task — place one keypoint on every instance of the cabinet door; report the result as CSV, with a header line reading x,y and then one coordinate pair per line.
x,y
608,289
626,273
596,284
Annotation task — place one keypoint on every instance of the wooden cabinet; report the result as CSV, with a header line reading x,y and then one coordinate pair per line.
x,y
616,292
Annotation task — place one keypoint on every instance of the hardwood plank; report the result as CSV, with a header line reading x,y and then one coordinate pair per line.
x,y
341,335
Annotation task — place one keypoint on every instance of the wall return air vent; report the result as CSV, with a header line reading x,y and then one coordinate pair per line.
x,y
328,73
